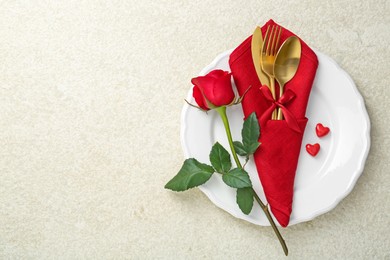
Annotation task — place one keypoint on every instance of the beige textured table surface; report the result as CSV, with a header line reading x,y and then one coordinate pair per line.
x,y
90,97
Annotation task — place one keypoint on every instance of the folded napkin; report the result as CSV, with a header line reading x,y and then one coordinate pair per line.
x,y
277,157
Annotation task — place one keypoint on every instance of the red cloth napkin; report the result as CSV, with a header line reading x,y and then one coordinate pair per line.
x,y
277,157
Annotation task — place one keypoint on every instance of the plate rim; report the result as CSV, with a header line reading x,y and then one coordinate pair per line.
x,y
355,177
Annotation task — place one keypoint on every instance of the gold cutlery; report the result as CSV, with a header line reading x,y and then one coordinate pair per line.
x,y
256,45
286,64
268,54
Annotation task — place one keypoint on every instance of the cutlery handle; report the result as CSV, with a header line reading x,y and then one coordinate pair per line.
x,y
272,88
280,114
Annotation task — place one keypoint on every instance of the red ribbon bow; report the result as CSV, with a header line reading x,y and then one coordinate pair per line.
x,y
287,96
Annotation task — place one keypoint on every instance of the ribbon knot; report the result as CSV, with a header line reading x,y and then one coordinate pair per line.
x,y
287,96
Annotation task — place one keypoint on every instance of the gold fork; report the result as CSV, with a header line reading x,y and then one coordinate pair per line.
x,y
268,54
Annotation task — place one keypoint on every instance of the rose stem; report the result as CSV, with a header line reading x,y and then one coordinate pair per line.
x,y
222,112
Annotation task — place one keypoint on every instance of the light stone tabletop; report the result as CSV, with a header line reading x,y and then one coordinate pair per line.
x,y
91,94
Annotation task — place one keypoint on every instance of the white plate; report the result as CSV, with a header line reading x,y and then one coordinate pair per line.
x,y
321,182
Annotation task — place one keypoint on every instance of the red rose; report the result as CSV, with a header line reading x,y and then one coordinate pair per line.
x,y
213,90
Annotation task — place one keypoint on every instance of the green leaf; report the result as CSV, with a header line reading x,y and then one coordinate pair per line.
x,y
237,178
250,134
220,158
191,174
252,148
244,199
240,149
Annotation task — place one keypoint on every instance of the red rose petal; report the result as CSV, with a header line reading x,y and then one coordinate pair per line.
x,y
223,91
199,98
217,73
216,87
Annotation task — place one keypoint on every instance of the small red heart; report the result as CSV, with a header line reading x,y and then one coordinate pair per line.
x,y
313,149
322,130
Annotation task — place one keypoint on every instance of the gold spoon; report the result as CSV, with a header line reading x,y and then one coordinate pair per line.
x,y
286,64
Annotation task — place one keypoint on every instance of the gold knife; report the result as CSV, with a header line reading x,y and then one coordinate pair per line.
x,y
256,45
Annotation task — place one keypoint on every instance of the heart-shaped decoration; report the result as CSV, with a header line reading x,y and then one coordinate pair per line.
x,y
322,130
313,149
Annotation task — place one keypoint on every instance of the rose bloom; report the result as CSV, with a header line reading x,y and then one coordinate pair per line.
x,y
213,90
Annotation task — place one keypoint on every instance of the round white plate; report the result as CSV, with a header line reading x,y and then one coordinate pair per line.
x,y
321,181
